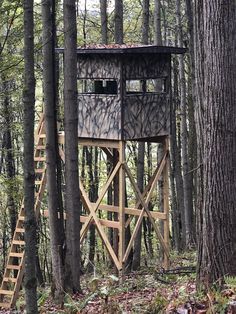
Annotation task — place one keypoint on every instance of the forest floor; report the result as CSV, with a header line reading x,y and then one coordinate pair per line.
x,y
150,290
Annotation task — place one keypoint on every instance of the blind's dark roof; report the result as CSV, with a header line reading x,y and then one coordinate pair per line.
x,y
126,49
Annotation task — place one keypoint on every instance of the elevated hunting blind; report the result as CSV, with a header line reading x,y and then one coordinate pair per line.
x,y
124,93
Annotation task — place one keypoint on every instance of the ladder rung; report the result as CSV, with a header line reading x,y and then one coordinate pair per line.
x,y
40,147
42,135
21,217
8,292
38,182
39,170
41,158
16,254
19,242
20,230
16,267
5,305
9,279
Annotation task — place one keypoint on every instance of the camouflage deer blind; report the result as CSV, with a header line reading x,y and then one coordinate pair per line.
x,y
124,92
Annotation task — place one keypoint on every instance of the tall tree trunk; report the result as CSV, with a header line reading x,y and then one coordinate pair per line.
x,y
30,282
189,14
145,23
157,23
56,218
158,41
10,167
177,184
184,133
216,94
72,198
118,40
92,164
192,142
165,28
84,22
150,205
103,9
119,37
141,145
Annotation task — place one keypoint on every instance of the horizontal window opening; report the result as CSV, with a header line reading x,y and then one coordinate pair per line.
x,y
157,85
98,86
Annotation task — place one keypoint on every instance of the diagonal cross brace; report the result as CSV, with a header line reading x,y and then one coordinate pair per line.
x,y
90,206
101,231
145,208
93,208
147,188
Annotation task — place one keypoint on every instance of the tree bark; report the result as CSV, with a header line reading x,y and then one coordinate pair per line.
x,y
9,160
56,218
192,142
119,37
103,9
141,146
30,282
158,41
184,133
145,23
72,198
150,205
157,23
92,164
216,116
177,185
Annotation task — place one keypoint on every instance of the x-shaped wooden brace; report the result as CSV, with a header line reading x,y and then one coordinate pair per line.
x,y
144,204
155,176
92,208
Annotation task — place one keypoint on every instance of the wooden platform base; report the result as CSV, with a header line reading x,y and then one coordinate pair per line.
x,y
141,209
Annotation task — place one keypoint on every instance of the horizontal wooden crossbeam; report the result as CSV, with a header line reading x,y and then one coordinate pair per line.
x,y
91,142
83,219
131,211
88,204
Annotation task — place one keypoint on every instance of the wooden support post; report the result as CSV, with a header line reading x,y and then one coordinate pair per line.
x,y
166,203
121,207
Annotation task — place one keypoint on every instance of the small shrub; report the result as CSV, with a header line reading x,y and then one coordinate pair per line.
x,y
158,305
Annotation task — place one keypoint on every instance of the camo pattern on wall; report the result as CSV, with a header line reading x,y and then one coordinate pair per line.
x,y
98,66
99,116
146,66
146,116
142,115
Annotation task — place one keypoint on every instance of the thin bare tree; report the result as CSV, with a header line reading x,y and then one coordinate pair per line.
x,y
30,282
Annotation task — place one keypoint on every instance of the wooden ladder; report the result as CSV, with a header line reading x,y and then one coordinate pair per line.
x,y
14,269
